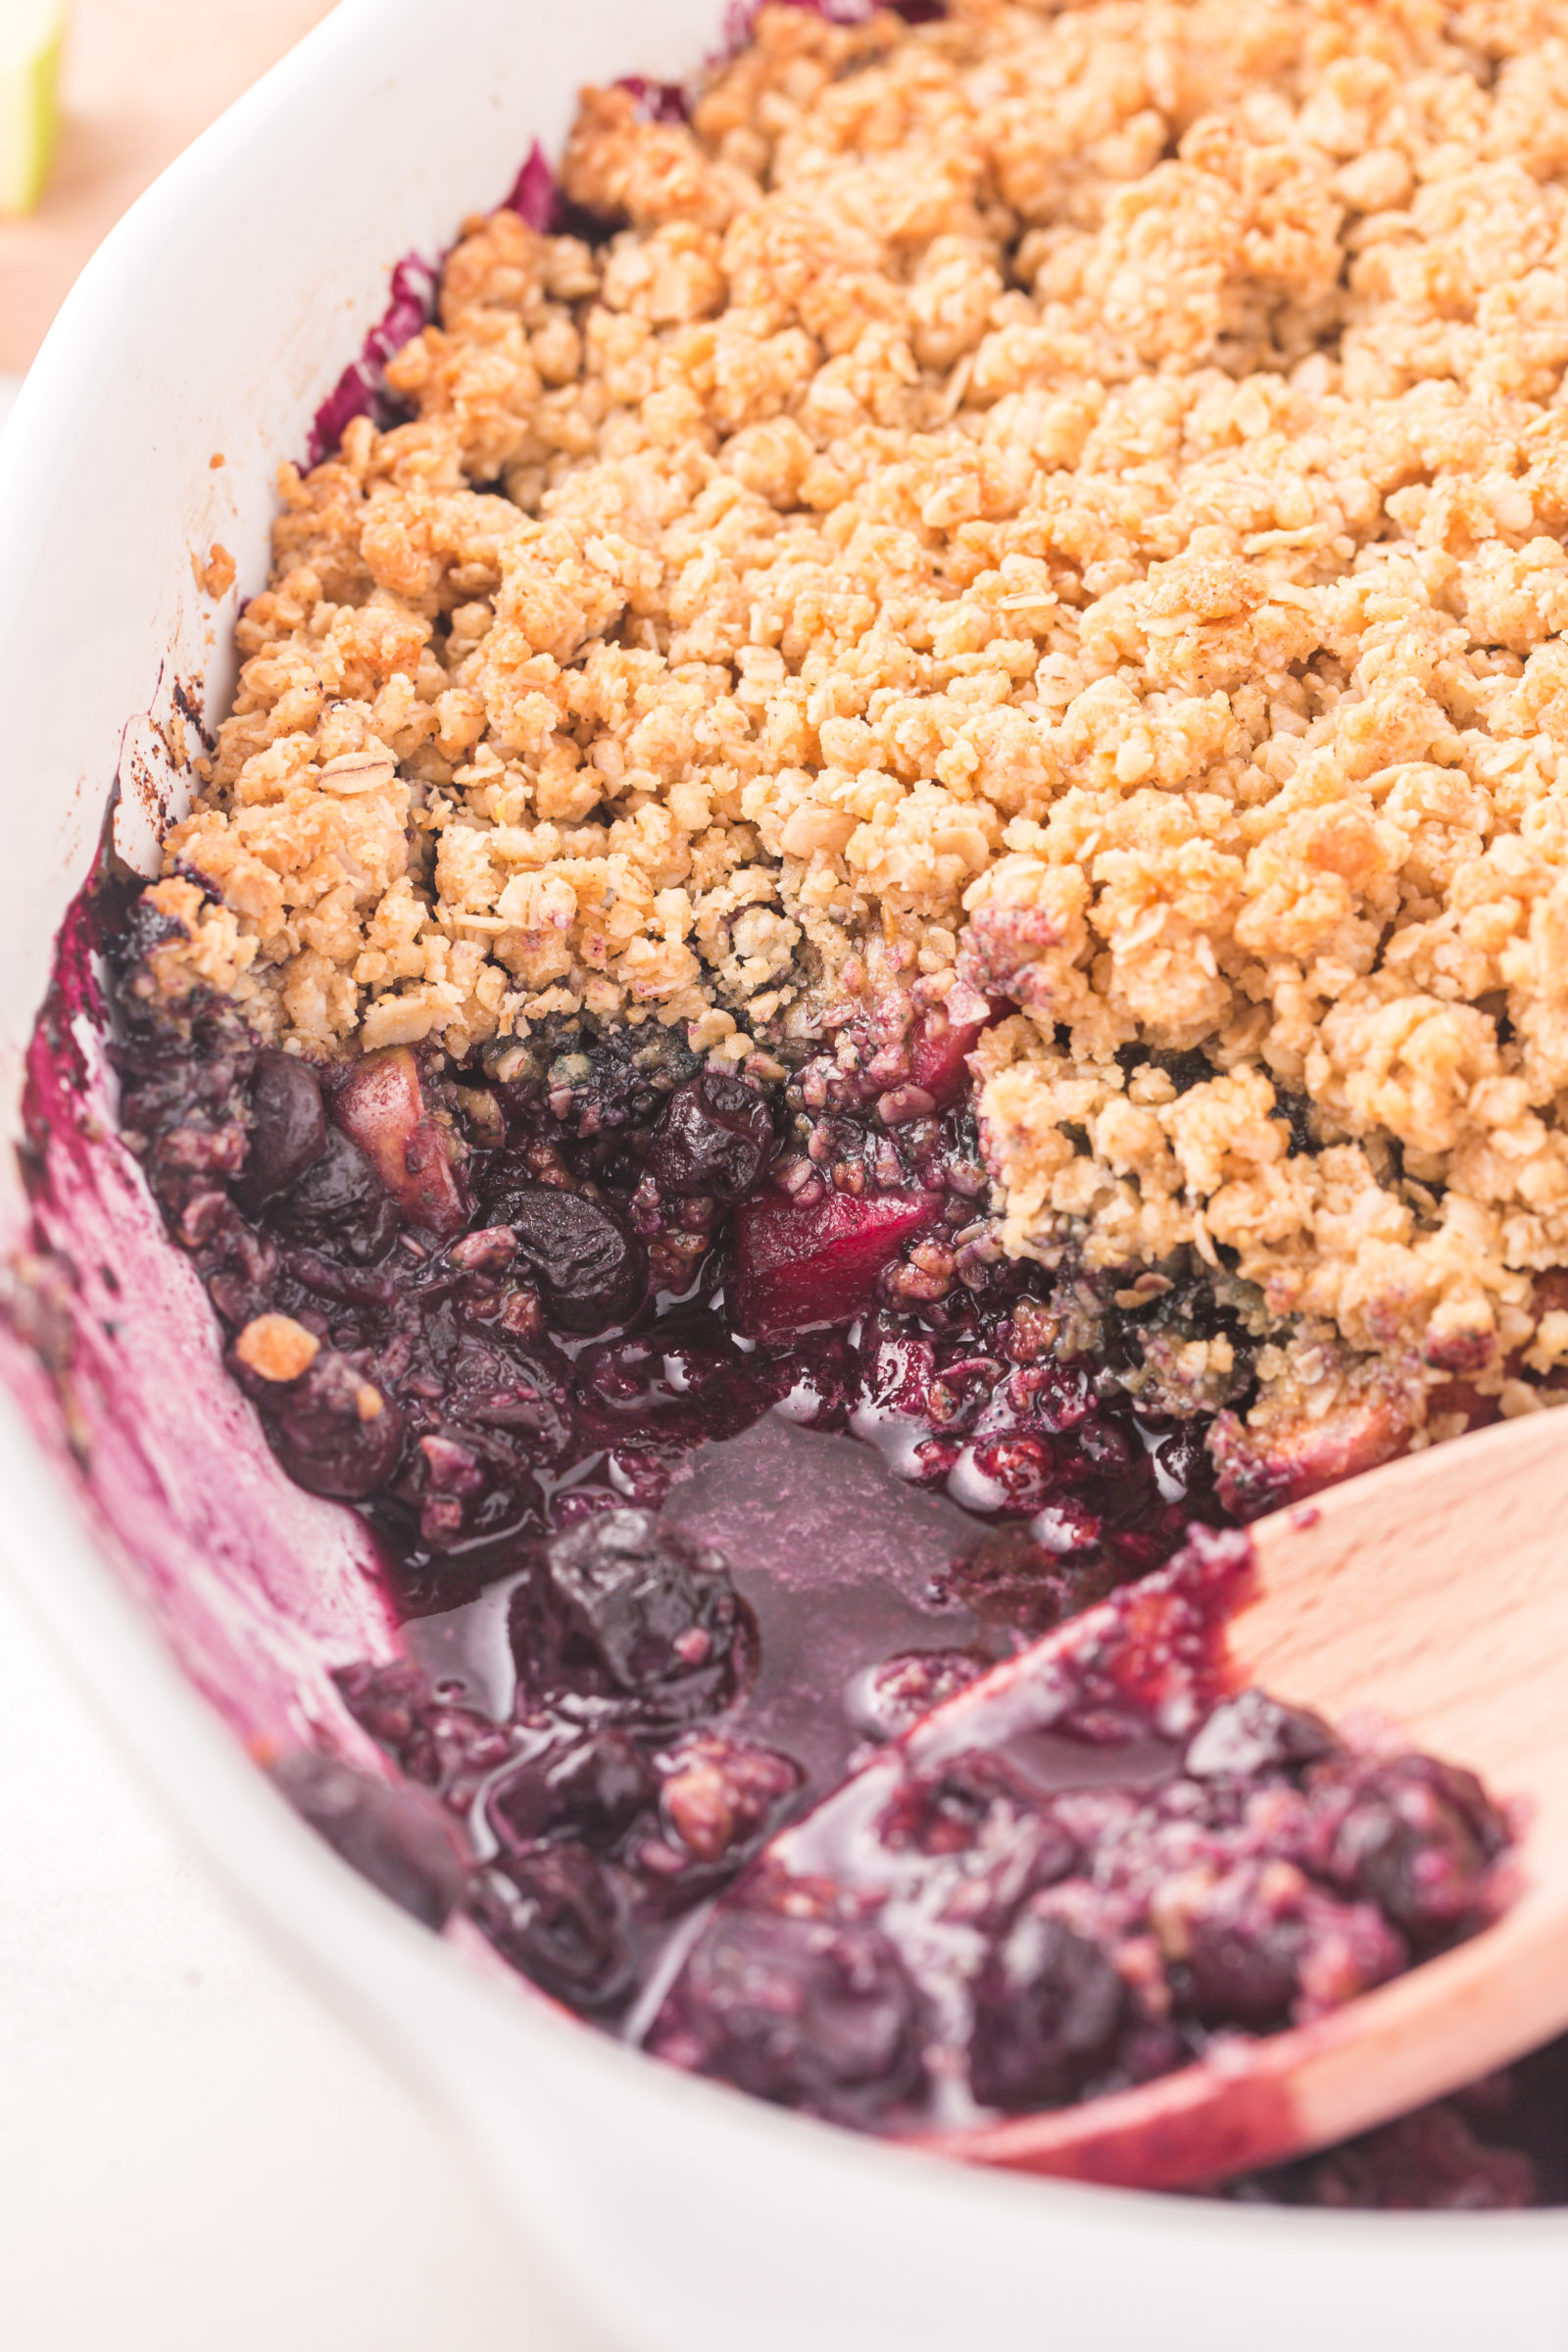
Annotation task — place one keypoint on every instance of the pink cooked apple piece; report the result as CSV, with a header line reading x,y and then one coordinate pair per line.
x,y
943,1039
795,1266
380,1106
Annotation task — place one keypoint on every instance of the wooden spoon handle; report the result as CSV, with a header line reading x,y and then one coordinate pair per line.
x,y
1434,1594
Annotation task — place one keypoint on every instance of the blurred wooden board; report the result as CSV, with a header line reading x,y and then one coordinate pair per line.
x,y
142,78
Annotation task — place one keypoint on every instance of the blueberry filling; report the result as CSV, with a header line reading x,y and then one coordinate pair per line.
x,y
712,1446
519,1293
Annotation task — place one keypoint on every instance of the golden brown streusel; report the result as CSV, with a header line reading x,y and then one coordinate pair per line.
x,y
1074,492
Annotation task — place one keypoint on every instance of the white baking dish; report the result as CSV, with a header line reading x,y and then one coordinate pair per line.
x,y
684,2218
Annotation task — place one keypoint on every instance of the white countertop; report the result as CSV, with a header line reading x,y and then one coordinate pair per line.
x,y
194,2155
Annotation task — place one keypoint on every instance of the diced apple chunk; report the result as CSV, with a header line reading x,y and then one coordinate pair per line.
x,y
380,1106
944,1037
795,1266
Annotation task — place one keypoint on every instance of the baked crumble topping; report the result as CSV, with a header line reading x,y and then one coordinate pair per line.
x,y
1065,503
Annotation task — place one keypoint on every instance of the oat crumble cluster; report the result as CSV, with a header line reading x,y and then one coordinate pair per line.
x,y
1064,500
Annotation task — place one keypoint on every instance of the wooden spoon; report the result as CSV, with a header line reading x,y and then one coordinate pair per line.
x,y
1435,1593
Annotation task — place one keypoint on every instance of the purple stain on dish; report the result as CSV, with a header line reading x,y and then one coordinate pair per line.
x,y
360,390
536,195
657,101
740,17
414,290
353,395
537,198
533,193
106,1348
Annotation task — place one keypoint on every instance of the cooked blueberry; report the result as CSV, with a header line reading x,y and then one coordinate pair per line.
x,y
589,1270
1252,1733
396,1840
288,1127
619,1608
553,1912
592,1788
808,2012
339,1434
1048,2010
1020,1471
714,1135
1243,1971
1432,2161
1416,1835
1182,1459
340,1203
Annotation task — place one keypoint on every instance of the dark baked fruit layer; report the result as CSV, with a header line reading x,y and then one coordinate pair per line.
x,y
713,1444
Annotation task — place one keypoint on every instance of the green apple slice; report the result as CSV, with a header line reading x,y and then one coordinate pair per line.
x,y
31,35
